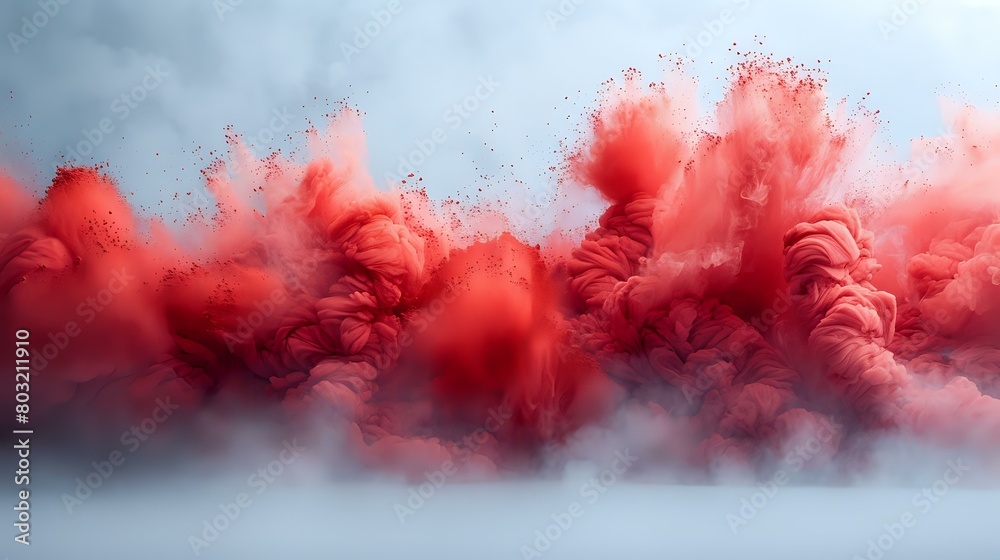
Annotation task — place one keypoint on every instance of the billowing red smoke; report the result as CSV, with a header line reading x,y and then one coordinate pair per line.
x,y
749,282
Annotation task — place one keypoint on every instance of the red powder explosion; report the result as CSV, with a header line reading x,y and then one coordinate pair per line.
x,y
757,279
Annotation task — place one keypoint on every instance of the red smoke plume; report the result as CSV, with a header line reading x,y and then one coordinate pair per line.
x,y
744,282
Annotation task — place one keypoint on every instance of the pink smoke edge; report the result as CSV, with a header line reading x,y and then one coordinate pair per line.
x,y
756,279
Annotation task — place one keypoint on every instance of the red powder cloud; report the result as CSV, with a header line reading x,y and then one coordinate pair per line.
x,y
734,283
